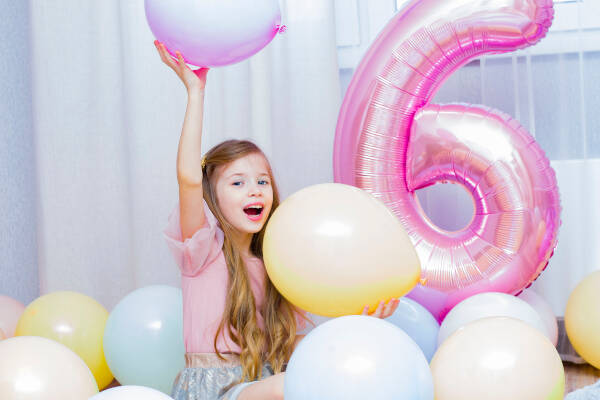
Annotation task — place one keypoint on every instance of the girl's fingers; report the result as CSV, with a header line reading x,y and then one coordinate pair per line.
x,y
379,309
365,310
180,59
390,307
164,55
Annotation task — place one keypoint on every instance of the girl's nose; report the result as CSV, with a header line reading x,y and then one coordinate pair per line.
x,y
255,190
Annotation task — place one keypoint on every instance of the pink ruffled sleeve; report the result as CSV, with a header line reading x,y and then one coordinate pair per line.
x,y
194,254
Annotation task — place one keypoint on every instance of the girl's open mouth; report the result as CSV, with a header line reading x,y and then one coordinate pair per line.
x,y
254,211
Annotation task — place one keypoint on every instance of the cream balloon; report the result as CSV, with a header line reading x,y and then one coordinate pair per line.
x,y
131,392
36,368
10,312
544,310
490,304
497,358
582,319
331,249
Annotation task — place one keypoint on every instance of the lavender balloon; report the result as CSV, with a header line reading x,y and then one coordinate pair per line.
x,y
211,33
391,142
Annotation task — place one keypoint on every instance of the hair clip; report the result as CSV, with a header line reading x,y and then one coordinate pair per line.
x,y
203,162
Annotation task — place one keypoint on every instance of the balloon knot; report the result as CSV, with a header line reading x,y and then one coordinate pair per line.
x,y
280,28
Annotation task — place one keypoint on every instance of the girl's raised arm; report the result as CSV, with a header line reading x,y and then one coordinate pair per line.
x,y
189,159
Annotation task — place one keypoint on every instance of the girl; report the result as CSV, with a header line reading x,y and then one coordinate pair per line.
x,y
238,330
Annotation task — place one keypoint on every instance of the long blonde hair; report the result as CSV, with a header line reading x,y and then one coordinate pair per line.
x,y
275,344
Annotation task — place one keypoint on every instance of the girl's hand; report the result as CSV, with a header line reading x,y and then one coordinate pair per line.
x,y
192,79
383,310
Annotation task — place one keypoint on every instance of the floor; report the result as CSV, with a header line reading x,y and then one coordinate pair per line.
x,y
579,375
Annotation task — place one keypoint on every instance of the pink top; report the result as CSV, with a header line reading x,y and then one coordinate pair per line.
x,y
204,279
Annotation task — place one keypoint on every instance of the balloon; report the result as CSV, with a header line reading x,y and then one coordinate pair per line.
x,y
544,310
331,249
391,142
211,33
582,319
75,320
490,305
143,340
418,323
10,312
497,358
131,393
36,368
357,357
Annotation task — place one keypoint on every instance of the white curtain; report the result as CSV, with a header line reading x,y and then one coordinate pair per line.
x,y
18,258
107,118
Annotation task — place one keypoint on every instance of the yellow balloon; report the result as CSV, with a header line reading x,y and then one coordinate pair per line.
x,y
331,249
497,358
582,319
75,320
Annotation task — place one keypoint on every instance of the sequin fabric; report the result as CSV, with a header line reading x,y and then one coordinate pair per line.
x,y
206,377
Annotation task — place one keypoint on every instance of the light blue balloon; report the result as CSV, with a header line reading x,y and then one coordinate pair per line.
x,y
143,338
418,323
356,358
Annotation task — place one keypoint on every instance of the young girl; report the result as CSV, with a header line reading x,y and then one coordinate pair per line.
x,y
238,330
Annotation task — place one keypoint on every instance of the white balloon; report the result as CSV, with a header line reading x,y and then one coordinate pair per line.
x,y
357,358
490,304
543,308
131,393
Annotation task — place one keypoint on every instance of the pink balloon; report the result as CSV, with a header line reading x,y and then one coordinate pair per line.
x,y
10,312
391,142
211,33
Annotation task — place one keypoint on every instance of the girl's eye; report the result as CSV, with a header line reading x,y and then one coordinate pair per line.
x,y
237,183
263,182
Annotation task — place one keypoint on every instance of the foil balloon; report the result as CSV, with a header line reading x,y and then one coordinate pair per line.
x,y
391,142
211,33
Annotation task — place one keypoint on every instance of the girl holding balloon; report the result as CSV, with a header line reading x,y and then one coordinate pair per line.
x,y
239,331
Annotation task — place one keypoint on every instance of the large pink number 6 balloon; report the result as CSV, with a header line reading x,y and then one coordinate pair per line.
x,y
391,142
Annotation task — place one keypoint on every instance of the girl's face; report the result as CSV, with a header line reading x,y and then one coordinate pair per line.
x,y
244,192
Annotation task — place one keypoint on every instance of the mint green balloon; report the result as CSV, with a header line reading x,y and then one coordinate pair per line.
x,y
143,338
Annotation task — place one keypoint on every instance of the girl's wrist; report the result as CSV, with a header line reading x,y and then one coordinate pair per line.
x,y
195,92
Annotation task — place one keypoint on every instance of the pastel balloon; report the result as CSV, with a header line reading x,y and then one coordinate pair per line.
x,y
358,357
582,319
10,312
143,340
490,305
544,310
497,359
331,249
418,323
131,393
211,33
36,368
75,320
391,142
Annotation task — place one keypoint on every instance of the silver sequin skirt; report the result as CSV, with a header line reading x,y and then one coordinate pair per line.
x,y
207,377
